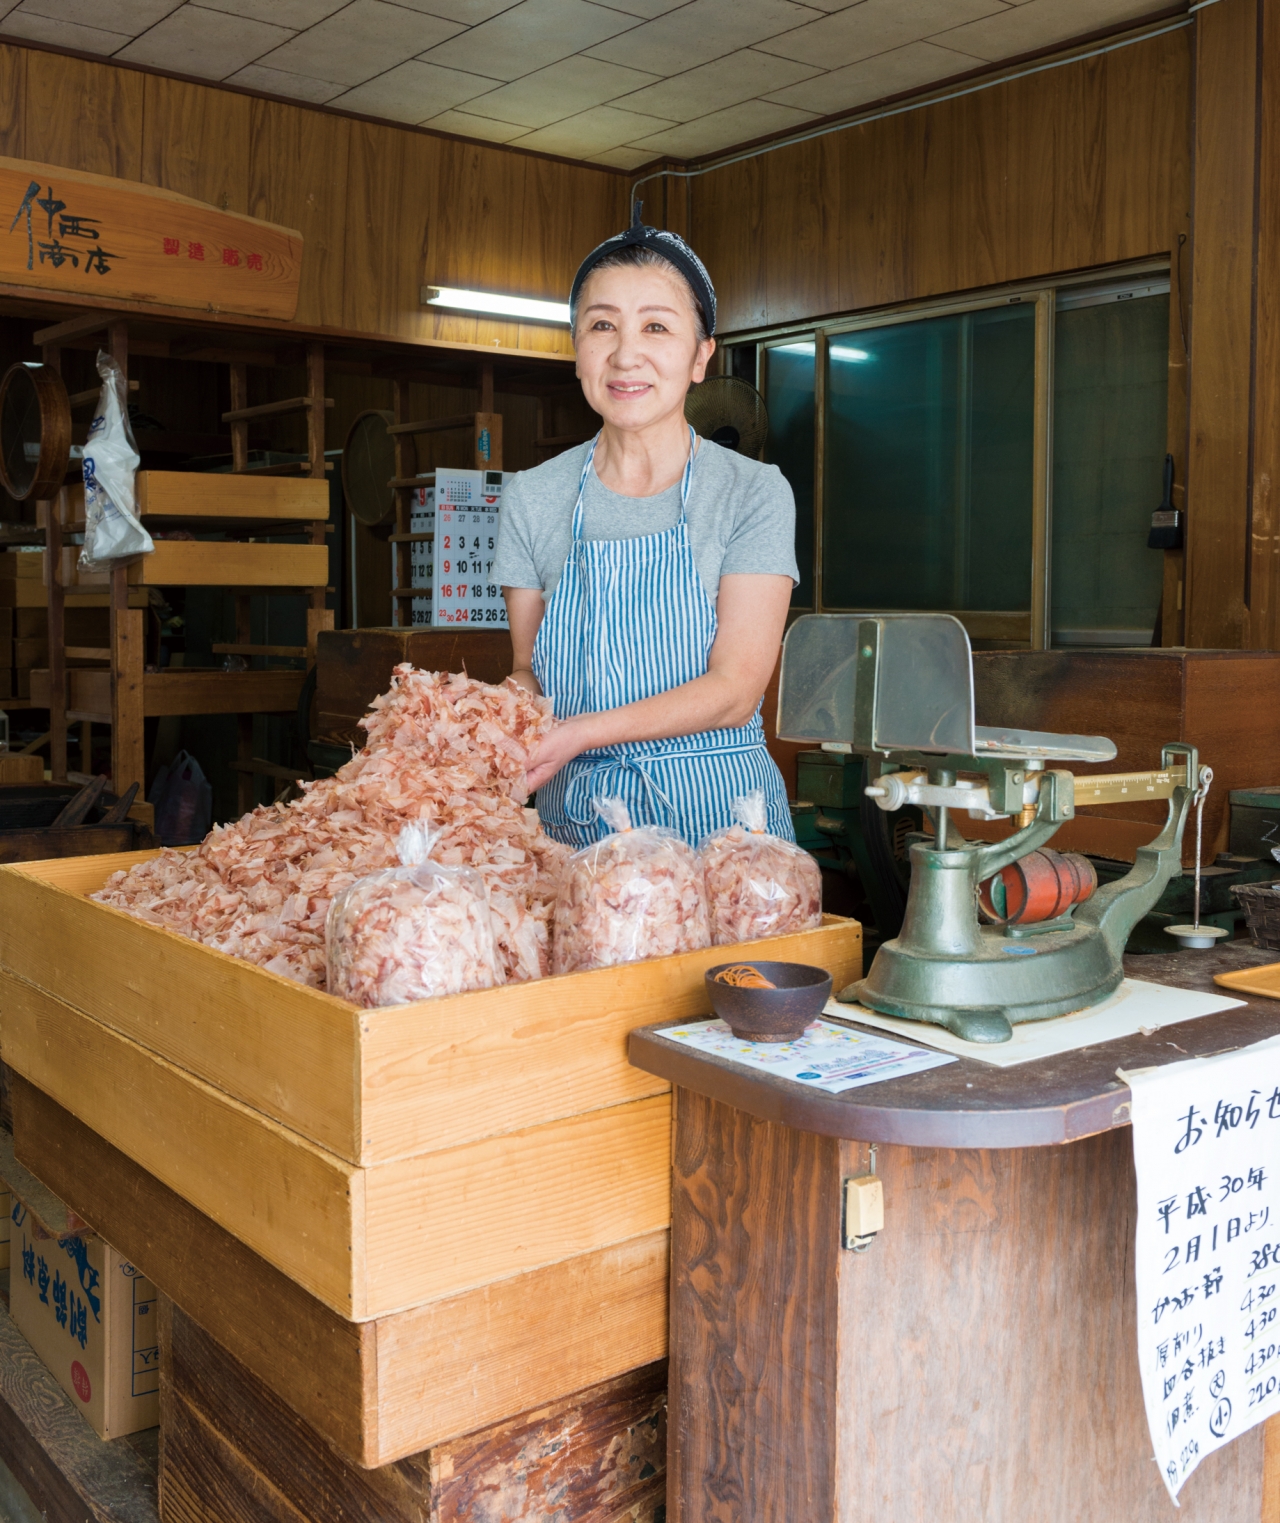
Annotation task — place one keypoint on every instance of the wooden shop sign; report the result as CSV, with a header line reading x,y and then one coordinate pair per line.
x,y
87,235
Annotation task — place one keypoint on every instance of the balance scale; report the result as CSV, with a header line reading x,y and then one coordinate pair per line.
x,y
898,688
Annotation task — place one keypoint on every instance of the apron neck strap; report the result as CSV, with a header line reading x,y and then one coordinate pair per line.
x,y
686,480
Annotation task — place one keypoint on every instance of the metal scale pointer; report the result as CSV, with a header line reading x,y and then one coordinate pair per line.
x,y
898,688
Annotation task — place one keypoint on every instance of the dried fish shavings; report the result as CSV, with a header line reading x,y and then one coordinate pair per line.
x,y
260,888
634,895
758,884
417,931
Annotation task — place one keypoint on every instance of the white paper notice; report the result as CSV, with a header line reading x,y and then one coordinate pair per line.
x,y
1206,1143
826,1057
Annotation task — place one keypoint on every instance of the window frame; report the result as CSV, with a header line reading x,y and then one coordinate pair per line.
x,y
1031,628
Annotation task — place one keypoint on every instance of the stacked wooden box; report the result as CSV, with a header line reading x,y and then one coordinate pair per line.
x,y
24,620
467,1197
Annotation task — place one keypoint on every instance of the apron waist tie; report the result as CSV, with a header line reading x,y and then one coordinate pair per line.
x,y
591,783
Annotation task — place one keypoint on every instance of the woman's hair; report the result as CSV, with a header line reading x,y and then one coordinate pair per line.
x,y
636,256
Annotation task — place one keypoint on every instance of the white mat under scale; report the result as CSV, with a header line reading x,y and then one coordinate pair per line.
x,y
1136,1006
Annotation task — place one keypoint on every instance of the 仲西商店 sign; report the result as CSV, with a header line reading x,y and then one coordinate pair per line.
x,y
87,235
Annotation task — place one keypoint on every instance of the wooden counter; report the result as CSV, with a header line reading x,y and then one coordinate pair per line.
x,y
977,1362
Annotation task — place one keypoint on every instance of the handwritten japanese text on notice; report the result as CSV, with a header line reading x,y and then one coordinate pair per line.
x,y
1206,1142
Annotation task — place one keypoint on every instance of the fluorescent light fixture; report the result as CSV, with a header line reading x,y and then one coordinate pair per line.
x,y
801,348
855,356
495,305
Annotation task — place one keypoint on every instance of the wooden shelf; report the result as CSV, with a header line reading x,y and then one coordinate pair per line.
x,y
225,563
178,690
272,409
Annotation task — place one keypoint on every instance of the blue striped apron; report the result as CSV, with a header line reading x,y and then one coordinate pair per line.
x,y
631,618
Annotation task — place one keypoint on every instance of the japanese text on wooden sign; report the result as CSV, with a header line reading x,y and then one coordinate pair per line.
x,y
90,236
1206,1143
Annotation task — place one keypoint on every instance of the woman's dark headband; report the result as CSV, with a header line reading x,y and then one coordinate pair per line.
x,y
670,246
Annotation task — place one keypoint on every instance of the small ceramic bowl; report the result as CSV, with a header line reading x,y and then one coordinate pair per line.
x,y
770,1015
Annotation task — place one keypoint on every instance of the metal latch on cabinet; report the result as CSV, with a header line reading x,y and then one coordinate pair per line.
x,y
863,1209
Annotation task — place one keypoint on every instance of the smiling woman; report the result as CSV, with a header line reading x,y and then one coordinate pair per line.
x,y
647,574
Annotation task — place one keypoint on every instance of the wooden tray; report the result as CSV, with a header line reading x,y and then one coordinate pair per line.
x,y
1264,980
382,1159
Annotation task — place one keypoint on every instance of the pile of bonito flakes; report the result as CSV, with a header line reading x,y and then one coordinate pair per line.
x,y
441,748
458,884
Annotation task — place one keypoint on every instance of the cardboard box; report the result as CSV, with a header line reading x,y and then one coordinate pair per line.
x,y
92,1319
24,564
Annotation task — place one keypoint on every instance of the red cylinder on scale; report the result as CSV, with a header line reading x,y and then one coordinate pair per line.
x,y
1040,886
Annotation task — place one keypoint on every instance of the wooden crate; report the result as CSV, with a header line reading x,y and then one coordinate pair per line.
x,y
376,1390
597,1457
381,1158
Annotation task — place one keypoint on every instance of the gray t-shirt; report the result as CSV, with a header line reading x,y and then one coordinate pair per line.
x,y
741,518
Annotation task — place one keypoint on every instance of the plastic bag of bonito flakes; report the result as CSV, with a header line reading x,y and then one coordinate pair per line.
x,y
635,894
758,884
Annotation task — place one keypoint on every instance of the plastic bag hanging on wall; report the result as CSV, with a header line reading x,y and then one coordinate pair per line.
x,y
112,528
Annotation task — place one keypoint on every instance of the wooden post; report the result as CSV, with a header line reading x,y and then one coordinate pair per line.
x,y
318,616
57,624
128,645
487,436
86,747
406,465
240,427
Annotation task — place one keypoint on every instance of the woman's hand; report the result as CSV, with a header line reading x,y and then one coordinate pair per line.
x,y
558,748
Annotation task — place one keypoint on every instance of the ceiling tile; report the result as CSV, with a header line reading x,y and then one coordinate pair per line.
x,y
413,91
464,124
530,36
291,86
701,31
593,131
561,90
645,9
469,12
919,63
126,20
61,34
622,158
724,129
712,87
365,38
1039,24
297,14
208,44
875,26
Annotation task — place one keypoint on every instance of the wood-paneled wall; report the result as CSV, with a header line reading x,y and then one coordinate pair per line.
x,y
1080,166
382,209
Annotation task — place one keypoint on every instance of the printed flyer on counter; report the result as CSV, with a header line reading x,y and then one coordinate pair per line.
x,y
827,1057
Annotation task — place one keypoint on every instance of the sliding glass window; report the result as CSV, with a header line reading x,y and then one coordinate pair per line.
x,y
998,459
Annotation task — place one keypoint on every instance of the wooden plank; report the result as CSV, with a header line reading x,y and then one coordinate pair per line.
x,y
1271,1471
377,1391
180,120
370,1085
271,409
102,135
1222,231
235,1453
180,690
298,1206
565,1036
230,563
1263,622
69,1473
218,494
125,688
13,91
286,1050
364,1241
84,840
298,176
157,246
